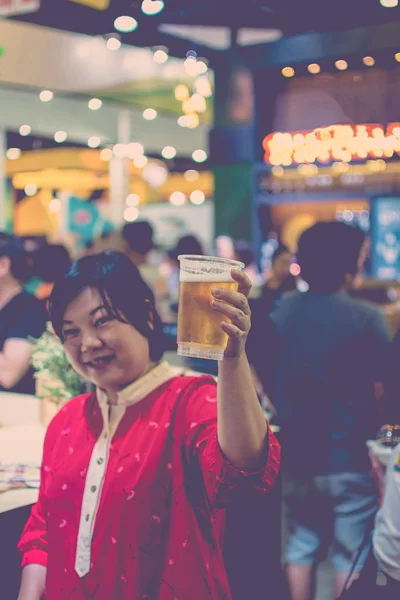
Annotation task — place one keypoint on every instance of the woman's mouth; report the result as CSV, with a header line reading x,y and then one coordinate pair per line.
x,y
99,363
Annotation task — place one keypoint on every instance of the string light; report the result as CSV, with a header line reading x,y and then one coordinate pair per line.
x,y
191,175
168,152
314,68
106,154
60,136
150,114
197,197
341,65
190,65
152,7
133,200
134,149
140,161
94,141
125,24
13,153
288,72
177,198
46,96
397,56
31,189
131,214
55,205
182,93
113,44
160,57
201,67
25,130
368,61
199,156
95,104
389,3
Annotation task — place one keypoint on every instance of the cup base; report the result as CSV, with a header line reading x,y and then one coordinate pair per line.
x,y
200,352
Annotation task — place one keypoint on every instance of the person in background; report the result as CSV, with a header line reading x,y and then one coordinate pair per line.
x,y
136,477
188,244
22,317
329,357
139,242
279,280
244,253
50,262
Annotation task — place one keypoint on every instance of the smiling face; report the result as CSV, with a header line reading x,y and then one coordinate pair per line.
x,y
103,350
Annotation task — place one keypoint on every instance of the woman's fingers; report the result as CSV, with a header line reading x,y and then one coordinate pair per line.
x,y
243,281
237,316
235,299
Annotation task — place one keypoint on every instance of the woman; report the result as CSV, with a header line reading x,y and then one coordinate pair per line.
x,y
22,318
134,477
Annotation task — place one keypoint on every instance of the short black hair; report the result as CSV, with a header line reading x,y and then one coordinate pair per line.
x,y
124,293
327,252
281,249
139,237
188,244
12,247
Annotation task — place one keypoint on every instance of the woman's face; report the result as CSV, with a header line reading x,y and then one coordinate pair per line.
x,y
103,350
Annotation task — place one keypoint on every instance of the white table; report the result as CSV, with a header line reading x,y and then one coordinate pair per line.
x,y
21,441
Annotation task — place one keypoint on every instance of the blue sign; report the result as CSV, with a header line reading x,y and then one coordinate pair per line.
x,y
386,238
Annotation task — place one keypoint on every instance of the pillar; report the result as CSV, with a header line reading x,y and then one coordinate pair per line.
x,y
119,172
3,183
233,147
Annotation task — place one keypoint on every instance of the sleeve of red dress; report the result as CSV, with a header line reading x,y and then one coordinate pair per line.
x,y
33,542
221,479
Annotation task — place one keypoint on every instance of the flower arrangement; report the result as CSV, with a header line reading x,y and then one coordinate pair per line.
x,y
56,379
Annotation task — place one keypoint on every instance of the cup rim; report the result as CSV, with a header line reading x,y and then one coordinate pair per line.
x,y
235,264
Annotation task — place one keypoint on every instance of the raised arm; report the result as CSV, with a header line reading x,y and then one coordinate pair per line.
x,y
242,429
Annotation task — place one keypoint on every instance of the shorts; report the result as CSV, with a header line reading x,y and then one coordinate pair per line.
x,y
328,511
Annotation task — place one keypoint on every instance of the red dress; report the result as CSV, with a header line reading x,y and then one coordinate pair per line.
x,y
134,510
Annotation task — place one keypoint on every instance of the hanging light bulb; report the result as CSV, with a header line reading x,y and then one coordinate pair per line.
x,y
152,7
125,24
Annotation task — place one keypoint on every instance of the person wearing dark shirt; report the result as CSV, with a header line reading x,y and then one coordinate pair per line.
x,y
22,317
329,355
279,281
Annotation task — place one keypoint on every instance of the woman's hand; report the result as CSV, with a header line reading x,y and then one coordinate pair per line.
x,y
235,306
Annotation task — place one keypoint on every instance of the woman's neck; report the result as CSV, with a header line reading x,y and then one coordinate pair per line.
x,y
112,395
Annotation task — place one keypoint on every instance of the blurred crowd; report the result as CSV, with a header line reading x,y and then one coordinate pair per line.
x,y
324,363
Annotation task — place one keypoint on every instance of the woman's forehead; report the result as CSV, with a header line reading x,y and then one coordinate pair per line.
x,y
88,300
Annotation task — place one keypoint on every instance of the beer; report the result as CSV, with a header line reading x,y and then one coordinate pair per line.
x,y
199,326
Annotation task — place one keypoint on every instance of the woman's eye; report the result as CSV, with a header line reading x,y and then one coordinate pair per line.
x,y
102,321
70,332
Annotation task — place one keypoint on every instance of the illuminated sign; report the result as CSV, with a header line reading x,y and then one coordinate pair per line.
x,y
96,4
9,8
335,143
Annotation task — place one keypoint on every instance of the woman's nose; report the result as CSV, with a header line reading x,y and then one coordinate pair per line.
x,y
90,342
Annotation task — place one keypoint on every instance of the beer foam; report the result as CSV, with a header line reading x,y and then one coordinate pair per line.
x,y
186,277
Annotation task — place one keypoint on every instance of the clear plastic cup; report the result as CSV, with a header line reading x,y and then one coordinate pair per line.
x,y
199,326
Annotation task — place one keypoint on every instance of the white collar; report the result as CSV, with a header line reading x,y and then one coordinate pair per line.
x,y
142,387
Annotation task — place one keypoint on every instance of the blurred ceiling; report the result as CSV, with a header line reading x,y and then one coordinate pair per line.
x,y
289,16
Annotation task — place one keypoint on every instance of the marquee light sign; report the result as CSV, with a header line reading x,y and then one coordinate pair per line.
x,y
344,143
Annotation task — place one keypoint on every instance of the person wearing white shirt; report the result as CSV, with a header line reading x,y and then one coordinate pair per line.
x,y
386,537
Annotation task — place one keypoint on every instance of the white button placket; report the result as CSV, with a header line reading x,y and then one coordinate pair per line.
x,y
91,497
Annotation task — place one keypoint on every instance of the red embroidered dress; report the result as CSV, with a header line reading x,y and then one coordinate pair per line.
x,y
131,496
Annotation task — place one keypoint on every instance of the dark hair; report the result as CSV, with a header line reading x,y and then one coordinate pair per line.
x,y
51,261
281,249
12,247
139,237
125,295
327,252
188,244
